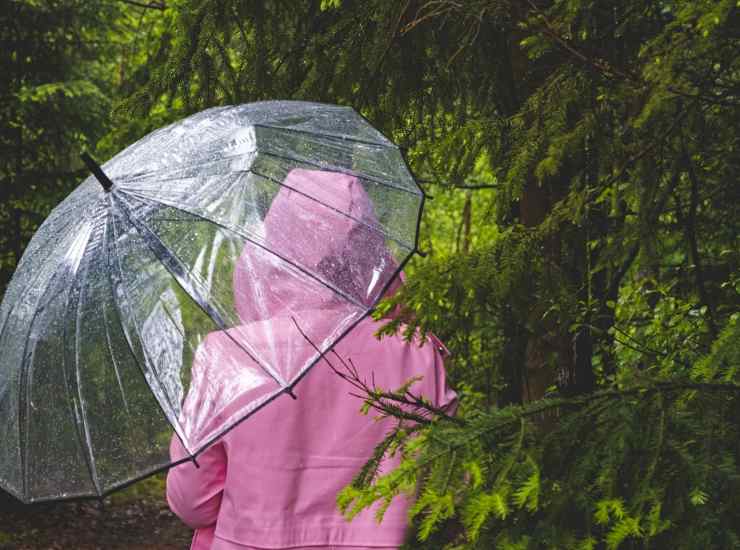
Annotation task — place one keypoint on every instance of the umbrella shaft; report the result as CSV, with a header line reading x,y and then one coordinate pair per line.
x,y
97,171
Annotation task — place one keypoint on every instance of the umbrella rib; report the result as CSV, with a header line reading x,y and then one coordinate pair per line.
x,y
86,442
137,177
60,242
337,169
387,144
252,354
23,374
58,235
256,243
171,416
330,137
375,228
24,391
175,424
143,176
183,277
113,360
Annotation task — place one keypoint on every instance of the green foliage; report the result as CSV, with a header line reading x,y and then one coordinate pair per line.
x,y
5,538
582,234
151,488
488,290
722,363
61,61
330,4
512,472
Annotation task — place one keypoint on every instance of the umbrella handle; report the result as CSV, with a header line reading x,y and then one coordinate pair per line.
x,y
97,171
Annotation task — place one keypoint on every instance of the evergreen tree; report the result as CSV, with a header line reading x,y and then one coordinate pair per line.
x,y
63,63
583,241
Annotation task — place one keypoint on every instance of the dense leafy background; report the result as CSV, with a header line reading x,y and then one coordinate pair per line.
x,y
582,238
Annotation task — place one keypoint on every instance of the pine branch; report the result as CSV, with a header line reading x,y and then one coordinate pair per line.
x,y
466,185
601,66
722,100
655,211
651,146
386,402
161,6
693,245
642,347
538,407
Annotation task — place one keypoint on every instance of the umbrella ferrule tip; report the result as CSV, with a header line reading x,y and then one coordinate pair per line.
x,y
97,171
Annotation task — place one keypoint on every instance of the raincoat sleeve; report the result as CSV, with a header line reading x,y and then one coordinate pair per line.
x,y
194,493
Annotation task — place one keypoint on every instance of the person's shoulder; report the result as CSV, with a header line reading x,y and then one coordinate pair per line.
x,y
365,336
220,340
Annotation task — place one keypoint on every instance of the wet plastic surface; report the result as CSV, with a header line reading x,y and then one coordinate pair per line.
x,y
238,232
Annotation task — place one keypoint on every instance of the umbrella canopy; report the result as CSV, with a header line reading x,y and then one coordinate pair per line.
x,y
235,234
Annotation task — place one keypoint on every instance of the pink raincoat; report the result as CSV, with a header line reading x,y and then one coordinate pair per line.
x,y
272,481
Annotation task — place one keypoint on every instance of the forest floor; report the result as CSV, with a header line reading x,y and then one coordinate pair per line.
x,y
136,519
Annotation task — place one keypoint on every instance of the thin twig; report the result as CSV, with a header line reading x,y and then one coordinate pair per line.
x,y
161,6
466,185
644,349
693,245
599,65
388,403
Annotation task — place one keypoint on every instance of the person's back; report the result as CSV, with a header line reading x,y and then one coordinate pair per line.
x,y
272,481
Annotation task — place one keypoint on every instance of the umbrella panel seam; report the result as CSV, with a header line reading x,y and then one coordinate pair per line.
x,y
113,360
330,136
127,337
89,459
256,243
211,312
24,390
338,169
155,174
141,193
376,228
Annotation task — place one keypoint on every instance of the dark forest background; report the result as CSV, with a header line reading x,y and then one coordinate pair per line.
x,y
583,163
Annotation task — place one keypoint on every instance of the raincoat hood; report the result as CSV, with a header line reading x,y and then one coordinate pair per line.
x,y
320,266
324,224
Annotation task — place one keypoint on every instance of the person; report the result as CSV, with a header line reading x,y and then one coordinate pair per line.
x,y
272,480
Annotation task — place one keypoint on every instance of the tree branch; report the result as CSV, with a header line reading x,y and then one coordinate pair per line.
x,y
161,6
388,403
601,66
539,407
693,245
466,185
656,211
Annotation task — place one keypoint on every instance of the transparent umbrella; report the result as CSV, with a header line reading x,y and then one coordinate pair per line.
x,y
244,230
